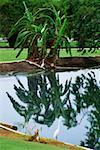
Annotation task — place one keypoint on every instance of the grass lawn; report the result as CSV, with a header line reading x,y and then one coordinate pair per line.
x,y
15,144
10,54
4,44
79,54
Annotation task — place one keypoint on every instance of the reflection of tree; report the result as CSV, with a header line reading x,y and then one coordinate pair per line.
x,y
91,97
46,99
87,93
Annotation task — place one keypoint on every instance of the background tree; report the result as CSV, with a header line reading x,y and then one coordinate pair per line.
x,y
83,22
10,12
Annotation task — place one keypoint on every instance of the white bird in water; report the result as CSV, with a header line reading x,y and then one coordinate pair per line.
x,y
57,131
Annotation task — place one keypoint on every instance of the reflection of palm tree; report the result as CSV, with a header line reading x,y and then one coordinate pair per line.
x,y
43,99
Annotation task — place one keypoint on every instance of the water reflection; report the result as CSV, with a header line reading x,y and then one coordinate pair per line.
x,y
47,99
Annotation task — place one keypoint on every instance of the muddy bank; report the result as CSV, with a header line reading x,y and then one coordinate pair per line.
x,y
83,62
19,66
70,63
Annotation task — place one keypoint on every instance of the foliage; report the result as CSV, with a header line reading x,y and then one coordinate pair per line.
x,y
84,23
2,2
8,10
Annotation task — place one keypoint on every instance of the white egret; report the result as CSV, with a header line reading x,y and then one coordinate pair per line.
x,y
57,131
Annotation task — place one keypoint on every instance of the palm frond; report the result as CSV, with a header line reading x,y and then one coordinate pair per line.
x,y
28,13
61,33
22,36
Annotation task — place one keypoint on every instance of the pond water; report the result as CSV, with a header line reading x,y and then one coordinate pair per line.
x,y
66,102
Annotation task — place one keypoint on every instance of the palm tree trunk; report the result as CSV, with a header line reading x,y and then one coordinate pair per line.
x,y
33,53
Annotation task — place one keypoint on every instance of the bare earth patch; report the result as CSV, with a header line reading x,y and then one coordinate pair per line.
x,y
19,66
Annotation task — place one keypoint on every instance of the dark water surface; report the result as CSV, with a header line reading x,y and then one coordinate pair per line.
x,y
66,102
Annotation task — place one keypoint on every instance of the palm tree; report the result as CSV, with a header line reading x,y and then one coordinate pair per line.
x,y
40,31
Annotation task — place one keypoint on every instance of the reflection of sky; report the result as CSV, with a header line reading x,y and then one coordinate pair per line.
x,y
6,85
8,115
73,74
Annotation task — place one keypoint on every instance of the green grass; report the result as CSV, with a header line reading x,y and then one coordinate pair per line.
x,y
10,54
79,54
14,144
4,44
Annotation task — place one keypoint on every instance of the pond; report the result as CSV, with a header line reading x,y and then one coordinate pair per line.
x,y
66,103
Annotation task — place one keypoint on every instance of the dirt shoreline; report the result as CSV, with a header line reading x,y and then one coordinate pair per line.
x,y
70,63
